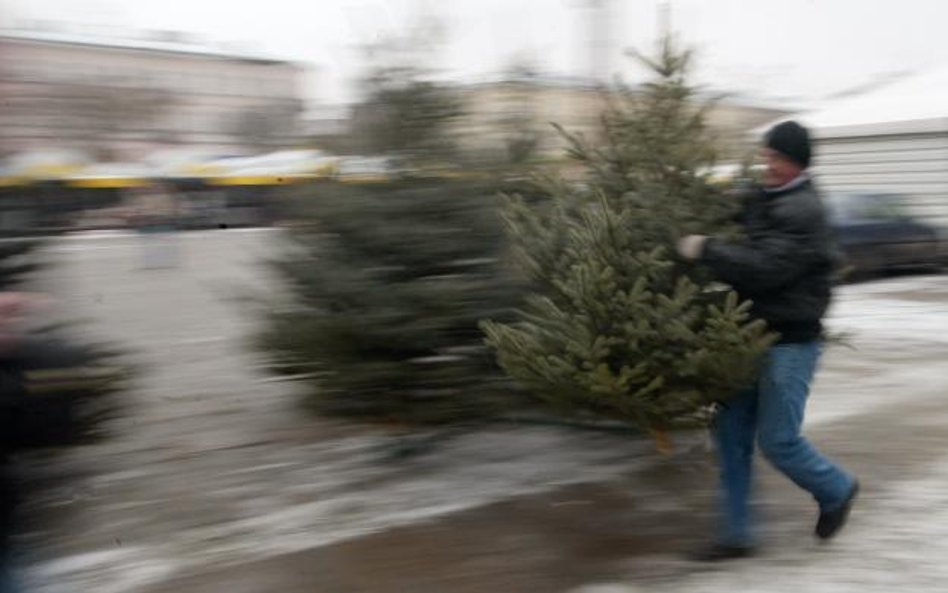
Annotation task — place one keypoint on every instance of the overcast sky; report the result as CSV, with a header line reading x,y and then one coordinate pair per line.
x,y
797,50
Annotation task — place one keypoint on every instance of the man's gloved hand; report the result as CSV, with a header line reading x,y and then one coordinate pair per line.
x,y
691,246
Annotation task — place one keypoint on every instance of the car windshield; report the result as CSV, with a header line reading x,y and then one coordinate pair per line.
x,y
867,207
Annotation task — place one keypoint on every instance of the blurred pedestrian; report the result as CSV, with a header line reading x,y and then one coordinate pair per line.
x,y
157,216
784,266
13,308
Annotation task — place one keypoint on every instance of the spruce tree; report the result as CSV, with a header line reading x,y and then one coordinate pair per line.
x,y
616,325
385,283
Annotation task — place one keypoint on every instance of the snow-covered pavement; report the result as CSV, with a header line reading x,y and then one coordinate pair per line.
x,y
216,483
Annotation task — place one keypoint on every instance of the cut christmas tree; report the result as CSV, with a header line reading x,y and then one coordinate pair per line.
x,y
617,326
385,283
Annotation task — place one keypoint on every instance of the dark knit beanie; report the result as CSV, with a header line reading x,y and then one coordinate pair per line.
x,y
791,140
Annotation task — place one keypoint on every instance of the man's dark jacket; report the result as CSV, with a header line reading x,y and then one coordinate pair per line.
x,y
785,265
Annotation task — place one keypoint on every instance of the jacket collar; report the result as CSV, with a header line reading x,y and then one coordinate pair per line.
x,y
798,181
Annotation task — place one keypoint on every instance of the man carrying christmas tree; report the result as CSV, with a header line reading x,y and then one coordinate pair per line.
x,y
784,266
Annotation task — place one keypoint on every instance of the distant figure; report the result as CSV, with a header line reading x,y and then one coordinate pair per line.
x,y
785,268
156,218
13,307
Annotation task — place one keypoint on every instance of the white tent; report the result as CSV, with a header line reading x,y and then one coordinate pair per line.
x,y
283,166
45,164
113,175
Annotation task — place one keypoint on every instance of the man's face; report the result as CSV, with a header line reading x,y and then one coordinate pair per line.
x,y
778,169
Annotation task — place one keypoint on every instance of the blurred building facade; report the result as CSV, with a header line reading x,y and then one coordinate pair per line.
x,y
498,112
120,99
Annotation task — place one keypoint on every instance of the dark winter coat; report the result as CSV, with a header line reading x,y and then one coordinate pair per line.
x,y
786,264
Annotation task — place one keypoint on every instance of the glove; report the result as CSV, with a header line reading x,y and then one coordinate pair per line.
x,y
691,246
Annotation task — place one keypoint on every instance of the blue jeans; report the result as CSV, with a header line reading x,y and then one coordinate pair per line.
x,y
771,412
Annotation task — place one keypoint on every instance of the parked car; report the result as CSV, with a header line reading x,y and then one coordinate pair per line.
x,y
875,234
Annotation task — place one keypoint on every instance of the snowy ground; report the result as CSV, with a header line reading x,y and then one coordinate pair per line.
x,y
214,483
